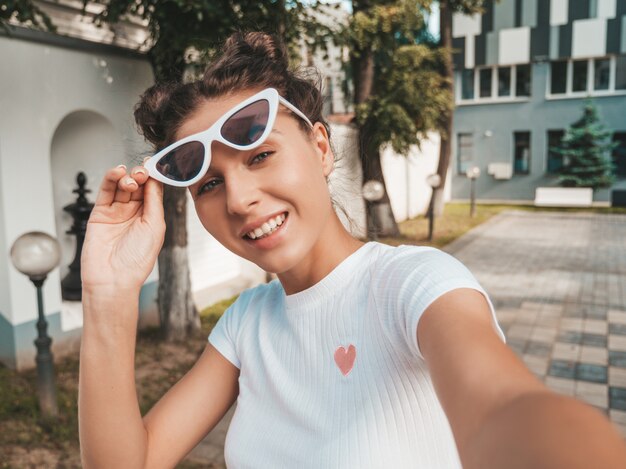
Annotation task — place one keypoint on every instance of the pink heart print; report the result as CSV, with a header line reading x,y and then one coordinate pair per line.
x,y
345,358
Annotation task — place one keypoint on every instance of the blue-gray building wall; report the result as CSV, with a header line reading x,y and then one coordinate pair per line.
x,y
536,115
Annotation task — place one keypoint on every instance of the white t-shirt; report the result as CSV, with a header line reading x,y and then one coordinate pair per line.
x,y
332,377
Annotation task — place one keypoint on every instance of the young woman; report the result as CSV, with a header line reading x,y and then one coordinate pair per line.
x,y
359,355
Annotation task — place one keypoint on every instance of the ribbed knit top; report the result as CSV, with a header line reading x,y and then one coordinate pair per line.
x,y
332,377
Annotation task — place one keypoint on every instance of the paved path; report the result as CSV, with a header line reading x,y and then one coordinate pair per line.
x,y
558,282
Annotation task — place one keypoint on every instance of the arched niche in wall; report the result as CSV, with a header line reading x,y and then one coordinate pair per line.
x,y
83,141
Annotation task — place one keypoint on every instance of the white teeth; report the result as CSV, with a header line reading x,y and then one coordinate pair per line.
x,y
268,227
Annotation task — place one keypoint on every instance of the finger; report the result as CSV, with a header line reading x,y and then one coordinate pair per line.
x,y
139,174
108,187
138,194
125,187
153,200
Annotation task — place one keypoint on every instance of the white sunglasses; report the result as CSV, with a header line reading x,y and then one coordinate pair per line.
x,y
244,127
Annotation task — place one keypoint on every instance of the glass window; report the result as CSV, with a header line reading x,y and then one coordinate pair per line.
x,y
579,78
521,152
619,153
602,73
522,80
558,80
467,84
555,161
465,152
620,72
485,82
504,81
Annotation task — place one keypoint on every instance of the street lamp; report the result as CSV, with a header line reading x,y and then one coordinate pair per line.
x,y
35,254
472,174
434,181
373,191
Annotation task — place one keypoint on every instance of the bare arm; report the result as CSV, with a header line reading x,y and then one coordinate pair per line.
x,y
501,415
124,235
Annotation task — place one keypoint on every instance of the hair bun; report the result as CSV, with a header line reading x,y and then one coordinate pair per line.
x,y
257,45
149,111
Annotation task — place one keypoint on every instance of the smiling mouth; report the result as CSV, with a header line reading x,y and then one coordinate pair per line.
x,y
268,228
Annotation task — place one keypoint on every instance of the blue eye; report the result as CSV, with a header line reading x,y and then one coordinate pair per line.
x,y
208,186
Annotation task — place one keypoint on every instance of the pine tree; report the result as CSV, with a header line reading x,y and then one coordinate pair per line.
x,y
586,151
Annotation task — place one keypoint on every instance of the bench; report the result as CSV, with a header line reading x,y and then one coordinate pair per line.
x,y
563,196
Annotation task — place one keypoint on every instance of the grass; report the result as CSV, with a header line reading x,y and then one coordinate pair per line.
x,y
28,440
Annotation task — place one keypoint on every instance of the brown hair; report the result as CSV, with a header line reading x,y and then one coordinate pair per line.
x,y
248,61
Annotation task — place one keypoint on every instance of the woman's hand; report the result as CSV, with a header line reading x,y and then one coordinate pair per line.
x,y
125,231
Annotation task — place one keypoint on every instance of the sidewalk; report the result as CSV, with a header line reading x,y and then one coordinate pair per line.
x,y
558,282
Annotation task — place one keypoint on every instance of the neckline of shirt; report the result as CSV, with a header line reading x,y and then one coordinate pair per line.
x,y
331,283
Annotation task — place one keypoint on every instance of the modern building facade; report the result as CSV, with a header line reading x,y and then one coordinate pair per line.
x,y
523,71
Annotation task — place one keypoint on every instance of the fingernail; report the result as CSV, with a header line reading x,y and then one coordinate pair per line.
x,y
121,166
146,158
130,181
139,171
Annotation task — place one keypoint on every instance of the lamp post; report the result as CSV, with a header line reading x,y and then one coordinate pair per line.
x,y
35,254
472,174
434,180
372,191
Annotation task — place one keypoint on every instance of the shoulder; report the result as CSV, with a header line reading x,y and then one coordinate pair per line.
x,y
418,264
254,297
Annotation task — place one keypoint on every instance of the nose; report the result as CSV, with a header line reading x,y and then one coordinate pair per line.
x,y
241,192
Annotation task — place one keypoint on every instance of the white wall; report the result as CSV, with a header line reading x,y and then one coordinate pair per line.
x,y
41,85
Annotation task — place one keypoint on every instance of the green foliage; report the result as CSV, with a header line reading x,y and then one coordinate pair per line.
x,y
410,98
25,12
586,148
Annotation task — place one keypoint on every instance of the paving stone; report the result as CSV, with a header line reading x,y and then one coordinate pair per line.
x,y
617,376
594,355
539,349
590,372
562,369
618,329
595,326
617,343
561,385
565,351
616,316
617,359
571,324
617,398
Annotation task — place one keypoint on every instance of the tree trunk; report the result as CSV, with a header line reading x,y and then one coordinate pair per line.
x,y
380,219
177,311
445,148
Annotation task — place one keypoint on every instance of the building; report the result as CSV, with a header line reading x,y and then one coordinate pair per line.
x,y
522,72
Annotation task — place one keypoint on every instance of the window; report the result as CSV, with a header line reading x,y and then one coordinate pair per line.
x,y
521,152
555,161
494,83
467,84
579,78
522,80
602,74
504,81
590,76
620,72
465,152
485,82
558,79
619,153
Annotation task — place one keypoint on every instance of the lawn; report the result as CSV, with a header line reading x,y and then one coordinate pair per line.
x,y
27,440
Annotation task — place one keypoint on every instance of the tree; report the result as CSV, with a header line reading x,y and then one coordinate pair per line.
x,y
446,9
586,150
399,87
177,27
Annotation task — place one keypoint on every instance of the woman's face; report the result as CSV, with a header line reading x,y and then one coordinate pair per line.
x,y
280,185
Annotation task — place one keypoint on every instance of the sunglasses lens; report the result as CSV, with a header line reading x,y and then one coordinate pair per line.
x,y
247,125
182,163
